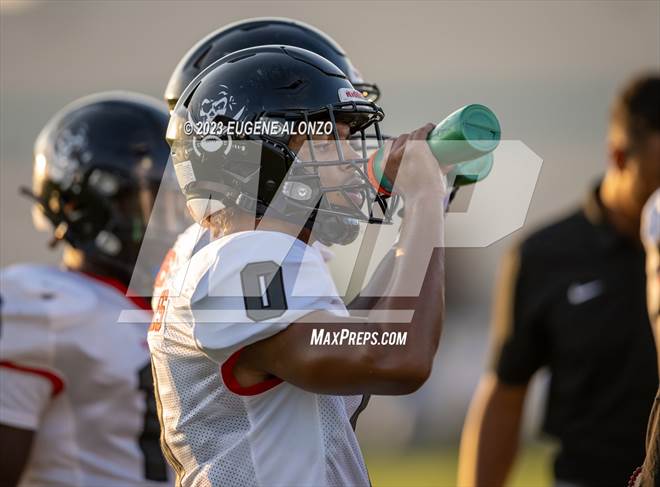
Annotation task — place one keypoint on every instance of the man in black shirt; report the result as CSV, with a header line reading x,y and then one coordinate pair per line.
x,y
572,299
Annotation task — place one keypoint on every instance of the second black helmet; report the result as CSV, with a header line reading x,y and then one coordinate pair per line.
x,y
260,32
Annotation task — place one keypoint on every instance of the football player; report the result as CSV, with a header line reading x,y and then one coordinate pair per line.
x,y
245,398
77,405
230,38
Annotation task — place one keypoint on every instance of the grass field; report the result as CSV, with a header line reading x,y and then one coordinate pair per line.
x,y
437,468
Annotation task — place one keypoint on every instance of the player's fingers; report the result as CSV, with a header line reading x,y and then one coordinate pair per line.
x,y
422,132
399,142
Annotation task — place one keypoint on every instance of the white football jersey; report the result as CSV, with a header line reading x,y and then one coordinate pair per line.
x,y
237,290
78,379
187,243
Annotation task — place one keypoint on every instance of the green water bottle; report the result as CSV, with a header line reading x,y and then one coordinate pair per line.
x,y
470,172
467,138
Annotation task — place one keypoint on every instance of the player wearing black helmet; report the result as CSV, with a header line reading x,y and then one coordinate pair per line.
x,y
230,38
261,32
66,365
244,95
98,166
280,411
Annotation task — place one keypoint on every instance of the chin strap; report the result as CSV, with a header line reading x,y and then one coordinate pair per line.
x,y
93,250
334,229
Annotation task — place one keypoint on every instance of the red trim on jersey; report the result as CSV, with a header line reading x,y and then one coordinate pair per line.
x,y
55,380
138,301
227,371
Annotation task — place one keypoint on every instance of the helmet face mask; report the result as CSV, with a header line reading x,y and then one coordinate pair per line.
x,y
304,172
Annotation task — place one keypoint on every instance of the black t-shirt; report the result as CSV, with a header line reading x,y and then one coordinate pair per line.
x,y
573,299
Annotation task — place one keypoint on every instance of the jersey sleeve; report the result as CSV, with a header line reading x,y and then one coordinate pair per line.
x,y
26,393
35,304
258,285
519,346
175,259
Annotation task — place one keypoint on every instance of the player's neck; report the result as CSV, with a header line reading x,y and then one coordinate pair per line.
x,y
614,199
245,223
75,260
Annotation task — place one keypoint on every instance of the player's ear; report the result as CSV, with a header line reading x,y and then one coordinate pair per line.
x,y
617,156
617,148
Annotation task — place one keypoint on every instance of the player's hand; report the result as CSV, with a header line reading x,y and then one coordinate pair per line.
x,y
413,167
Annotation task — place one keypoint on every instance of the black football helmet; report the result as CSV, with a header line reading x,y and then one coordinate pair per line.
x,y
97,167
261,32
264,173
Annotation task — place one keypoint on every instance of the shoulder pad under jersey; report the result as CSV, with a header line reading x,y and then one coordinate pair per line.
x,y
45,294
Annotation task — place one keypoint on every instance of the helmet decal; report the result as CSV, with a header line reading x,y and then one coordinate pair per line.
x,y
71,148
210,109
349,94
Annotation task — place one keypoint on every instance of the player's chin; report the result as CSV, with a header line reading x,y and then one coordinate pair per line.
x,y
348,200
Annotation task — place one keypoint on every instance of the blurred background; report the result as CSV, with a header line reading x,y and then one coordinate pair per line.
x,y
547,69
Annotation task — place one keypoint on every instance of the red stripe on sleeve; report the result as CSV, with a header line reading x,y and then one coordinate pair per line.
x,y
55,380
227,371
138,301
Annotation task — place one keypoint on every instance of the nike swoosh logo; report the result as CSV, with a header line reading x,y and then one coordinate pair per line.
x,y
581,293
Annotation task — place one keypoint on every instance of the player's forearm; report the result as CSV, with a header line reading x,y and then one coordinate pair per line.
x,y
417,284
490,437
15,446
371,368
417,281
375,288
422,230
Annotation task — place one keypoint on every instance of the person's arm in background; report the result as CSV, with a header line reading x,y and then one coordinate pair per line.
x,y
490,438
489,443
15,446
25,396
28,381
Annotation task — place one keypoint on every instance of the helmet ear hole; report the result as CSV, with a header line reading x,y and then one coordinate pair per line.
x,y
103,182
269,188
108,243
